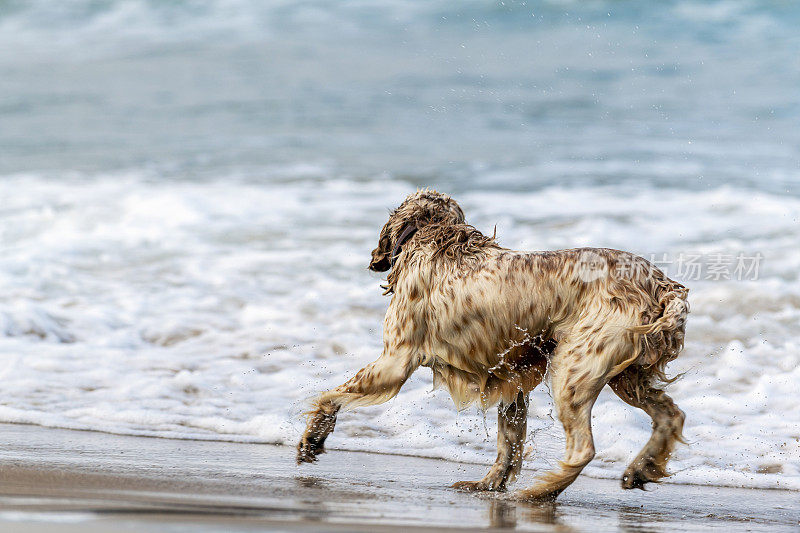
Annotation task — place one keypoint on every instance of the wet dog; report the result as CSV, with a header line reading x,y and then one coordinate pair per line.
x,y
492,322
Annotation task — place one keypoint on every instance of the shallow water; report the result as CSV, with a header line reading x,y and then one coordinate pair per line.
x,y
190,192
94,482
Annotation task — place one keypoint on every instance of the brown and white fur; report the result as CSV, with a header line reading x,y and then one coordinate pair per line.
x,y
490,322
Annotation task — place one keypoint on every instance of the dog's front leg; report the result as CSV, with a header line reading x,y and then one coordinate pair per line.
x,y
512,424
374,384
321,421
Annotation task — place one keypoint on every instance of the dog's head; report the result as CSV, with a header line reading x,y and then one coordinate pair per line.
x,y
420,209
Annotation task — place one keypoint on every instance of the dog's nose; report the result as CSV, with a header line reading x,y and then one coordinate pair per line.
x,y
380,265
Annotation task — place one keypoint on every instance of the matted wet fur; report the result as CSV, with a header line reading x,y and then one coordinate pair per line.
x,y
491,322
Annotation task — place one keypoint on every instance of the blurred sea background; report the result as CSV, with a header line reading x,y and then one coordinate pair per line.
x,y
189,191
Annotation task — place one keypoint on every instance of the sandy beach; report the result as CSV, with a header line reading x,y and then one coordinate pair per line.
x,y
63,480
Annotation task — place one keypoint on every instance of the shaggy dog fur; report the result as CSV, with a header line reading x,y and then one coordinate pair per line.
x,y
490,322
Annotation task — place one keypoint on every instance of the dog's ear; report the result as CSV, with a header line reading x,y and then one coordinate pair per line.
x,y
380,256
408,231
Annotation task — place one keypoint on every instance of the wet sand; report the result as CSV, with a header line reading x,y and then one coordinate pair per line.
x,y
63,480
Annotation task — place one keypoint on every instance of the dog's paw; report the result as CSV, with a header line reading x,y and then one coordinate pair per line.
x,y
633,480
307,451
638,477
478,486
535,495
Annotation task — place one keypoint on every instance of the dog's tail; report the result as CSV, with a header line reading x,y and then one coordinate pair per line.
x,y
673,317
661,337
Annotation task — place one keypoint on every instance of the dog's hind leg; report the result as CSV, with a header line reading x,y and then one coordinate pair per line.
x,y
376,383
634,387
512,423
576,382
512,419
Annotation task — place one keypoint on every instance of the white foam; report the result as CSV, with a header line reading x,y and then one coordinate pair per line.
x,y
215,310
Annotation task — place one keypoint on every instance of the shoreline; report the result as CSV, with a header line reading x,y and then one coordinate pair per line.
x,y
254,442
62,480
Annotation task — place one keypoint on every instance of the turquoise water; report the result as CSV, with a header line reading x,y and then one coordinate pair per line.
x,y
676,93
